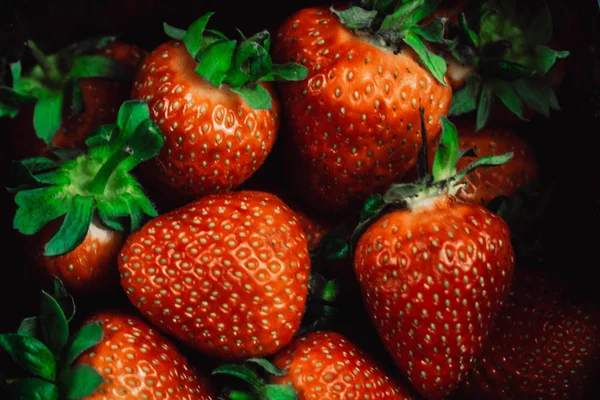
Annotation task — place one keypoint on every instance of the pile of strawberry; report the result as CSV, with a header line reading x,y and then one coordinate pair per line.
x,y
153,175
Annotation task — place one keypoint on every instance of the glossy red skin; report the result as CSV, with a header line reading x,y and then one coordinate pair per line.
x,y
230,277
214,141
543,345
485,184
354,124
90,268
325,365
443,263
314,229
136,361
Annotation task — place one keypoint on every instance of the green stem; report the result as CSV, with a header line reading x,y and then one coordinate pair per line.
x,y
99,182
51,72
239,395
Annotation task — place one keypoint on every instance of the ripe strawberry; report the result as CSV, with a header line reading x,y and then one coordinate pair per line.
x,y
135,360
325,365
543,346
99,69
355,120
213,102
97,196
434,272
314,229
227,274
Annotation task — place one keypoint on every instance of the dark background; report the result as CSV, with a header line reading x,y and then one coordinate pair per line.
x,y
567,145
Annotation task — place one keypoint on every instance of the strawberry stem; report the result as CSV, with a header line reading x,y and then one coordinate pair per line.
x,y
50,71
98,185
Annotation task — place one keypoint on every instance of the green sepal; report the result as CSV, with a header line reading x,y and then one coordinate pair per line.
x,y
74,228
172,32
484,162
30,389
99,67
80,381
355,17
267,366
505,70
286,72
468,32
194,34
30,354
256,96
64,299
408,14
544,58
215,61
465,99
447,154
509,97
537,95
47,115
539,30
30,327
130,116
37,207
433,33
242,372
144,144
435,64
278,392
484,105
55,328
87,337
101,136
113,213
337,248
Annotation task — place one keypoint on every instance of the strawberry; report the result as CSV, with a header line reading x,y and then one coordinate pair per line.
x,y
509,51
544,345
326,365
314,229
213,101
226,274
94,75
113,355
354,122
98,197
434,271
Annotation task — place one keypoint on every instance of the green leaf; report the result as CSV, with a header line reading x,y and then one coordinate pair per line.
x,y
483,162
81,381
505,70
408,15
256,96
146,141
64,299
30,327
278,392
355,17
172,32
47,115
55,327
215,61
135,213
331,290
287,72
435,64
433,33
217,34
37,207
267,366
484,107
99,67
8,111
101,136
74,227
193,36
539,30
447,153
30,389
537,95
510,98
30,354
240,371
337,249
372,206
544,58
86,338
113,212
131,114
146,205
465,99
384,7
469,33
15,70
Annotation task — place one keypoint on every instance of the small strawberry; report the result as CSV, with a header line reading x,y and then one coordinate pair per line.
x,y
98,197
355,120
213,101
93,75
434,271
508,49
226,274
543,345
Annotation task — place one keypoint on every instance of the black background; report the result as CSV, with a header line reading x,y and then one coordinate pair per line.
x,y
567,145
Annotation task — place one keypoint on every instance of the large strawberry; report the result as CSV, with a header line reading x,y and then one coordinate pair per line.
x,y
507,46
85,205
355,120
113,355
212,99
434,271
544,345
227,274
66,96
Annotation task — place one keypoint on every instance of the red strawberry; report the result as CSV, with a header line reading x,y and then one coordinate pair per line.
x,y
434,272
355,121
543,346
84,205
226,274
212,101
103,86
137,362
314,229
325,365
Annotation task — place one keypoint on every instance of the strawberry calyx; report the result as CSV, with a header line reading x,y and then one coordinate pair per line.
x,y
510,55
239,65
250,381
394,24
96,183
54,79
45,348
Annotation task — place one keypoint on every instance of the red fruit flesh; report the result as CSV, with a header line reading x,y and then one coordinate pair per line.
x,y
214,141
355,122
433,280
227,274
137,362
325,365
